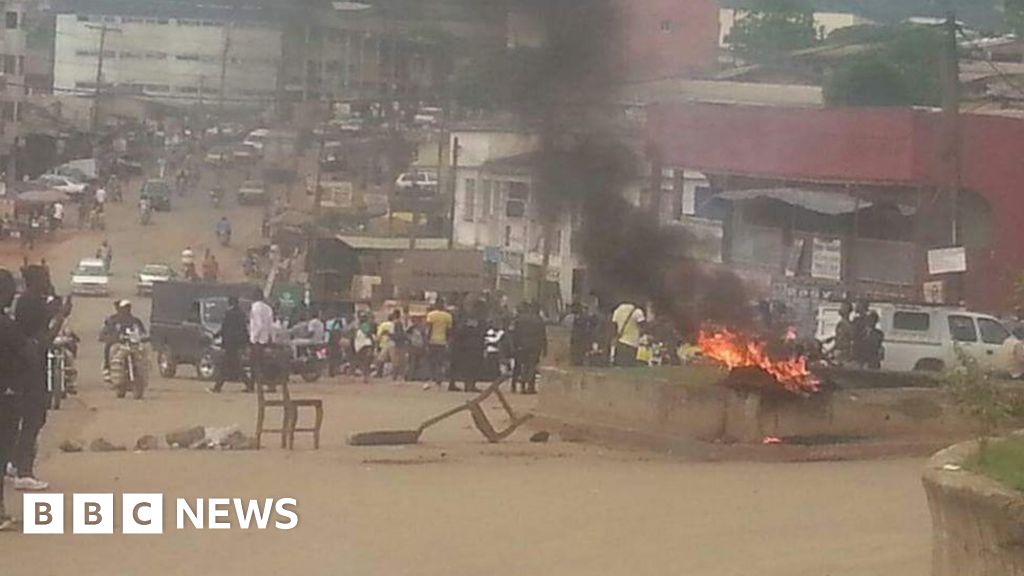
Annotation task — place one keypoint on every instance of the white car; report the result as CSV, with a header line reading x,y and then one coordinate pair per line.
x,y
151,274
926,338
90,278
64,184
421,180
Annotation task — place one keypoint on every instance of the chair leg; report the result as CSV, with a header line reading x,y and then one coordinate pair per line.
x,y
316,431
293,422
284,427
259,426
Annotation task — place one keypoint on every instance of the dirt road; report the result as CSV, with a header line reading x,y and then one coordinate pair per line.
x,y
454,505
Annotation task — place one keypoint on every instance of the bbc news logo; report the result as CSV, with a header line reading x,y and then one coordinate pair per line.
x,y
144,514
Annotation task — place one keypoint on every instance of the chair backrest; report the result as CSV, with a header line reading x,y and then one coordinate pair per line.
x,y
261,395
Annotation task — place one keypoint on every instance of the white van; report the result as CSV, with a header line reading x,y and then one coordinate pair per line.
x,y
926,337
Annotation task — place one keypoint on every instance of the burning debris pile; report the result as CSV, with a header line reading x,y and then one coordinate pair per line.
x,y
739,351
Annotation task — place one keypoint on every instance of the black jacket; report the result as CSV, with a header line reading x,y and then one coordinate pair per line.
x,y
234,331
17,356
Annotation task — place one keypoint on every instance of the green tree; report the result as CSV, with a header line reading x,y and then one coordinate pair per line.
x,y
1014,11
902,70
771,28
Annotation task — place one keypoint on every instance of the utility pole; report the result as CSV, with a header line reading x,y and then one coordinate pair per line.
x,y
224,67
951,161
94,124
453,185
318,192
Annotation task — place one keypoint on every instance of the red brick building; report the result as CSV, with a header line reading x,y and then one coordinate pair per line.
x,y
881,151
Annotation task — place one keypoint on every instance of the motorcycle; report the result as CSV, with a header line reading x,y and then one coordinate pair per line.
x,y
309,360
129,364
60,370
216,196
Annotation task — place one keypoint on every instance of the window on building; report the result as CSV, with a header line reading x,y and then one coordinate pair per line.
x,y
666,25
156,56
992,332
188,57
10,64
556,241
518,195
83,18
962,329
508,236
469,200
8,111
11,19
911,321
186,89
485,203
21,64
130,55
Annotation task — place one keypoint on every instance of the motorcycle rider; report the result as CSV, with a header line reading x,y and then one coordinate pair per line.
x,y
188,263
224,230
105,253
114,326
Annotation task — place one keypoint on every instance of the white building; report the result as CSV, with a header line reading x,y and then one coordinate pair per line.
x,y
177,52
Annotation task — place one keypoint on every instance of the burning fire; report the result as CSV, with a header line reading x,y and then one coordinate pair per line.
x,y
739,351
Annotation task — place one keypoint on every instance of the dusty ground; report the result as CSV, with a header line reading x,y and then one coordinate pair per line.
x,y
453,505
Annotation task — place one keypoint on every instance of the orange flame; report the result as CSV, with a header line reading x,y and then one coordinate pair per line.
x,y
739,351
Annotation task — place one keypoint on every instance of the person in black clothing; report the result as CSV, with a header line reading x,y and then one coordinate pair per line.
x,y
867,348
584,326
467,349
529,344
39,322
16,359
234,335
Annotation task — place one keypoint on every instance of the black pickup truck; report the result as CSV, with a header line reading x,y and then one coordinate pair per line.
x,y
184,319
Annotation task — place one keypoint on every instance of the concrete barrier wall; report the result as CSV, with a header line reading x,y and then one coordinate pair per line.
x,y
977,524
687,403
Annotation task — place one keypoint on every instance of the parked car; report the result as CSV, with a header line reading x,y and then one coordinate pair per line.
x,y
423,181
252,192
151,274
158,192
184,320
90,278
64,184
256,139
926,338
244,152
219,155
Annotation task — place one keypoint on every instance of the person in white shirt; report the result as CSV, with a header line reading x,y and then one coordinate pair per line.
x,y
101,196
188,263
261,330
629,322
58,215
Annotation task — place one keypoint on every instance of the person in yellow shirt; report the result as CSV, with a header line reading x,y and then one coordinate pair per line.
x,y
439,327
629,322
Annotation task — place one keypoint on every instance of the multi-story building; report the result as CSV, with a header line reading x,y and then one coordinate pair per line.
x,y
12,68
181,52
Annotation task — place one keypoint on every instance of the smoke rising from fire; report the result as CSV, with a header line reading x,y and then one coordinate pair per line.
x,y
588,162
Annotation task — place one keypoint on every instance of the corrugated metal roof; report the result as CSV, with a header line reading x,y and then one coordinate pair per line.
x,y
391,243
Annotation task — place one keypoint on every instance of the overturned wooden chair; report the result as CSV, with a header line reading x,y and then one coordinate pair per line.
x,y
290,408
476,411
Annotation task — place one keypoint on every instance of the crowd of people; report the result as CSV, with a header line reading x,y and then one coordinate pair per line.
x,y
459,346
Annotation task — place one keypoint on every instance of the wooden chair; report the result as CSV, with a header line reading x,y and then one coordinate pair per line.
x,y
262,403
291,411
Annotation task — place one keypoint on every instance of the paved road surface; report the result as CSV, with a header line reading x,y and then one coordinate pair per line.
x,y
454,505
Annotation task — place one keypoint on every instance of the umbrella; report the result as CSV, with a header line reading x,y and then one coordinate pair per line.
x,y
42,196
